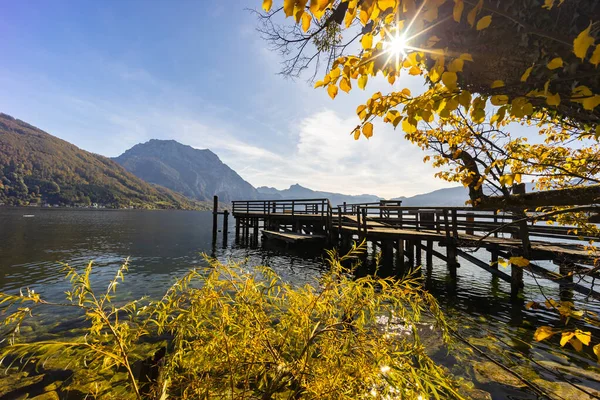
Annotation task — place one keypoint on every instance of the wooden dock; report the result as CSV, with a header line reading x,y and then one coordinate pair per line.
x,y
294,238
404,233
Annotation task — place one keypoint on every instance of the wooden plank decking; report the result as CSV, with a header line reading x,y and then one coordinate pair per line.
x,y
291,237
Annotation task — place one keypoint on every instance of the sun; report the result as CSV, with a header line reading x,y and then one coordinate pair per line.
x,y
396,45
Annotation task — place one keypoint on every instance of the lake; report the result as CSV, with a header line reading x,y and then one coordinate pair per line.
x,y
162,245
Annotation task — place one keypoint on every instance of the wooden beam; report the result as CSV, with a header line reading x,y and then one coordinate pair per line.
x,y
482,264
560,197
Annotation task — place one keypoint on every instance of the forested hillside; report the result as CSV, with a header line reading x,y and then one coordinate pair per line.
x,y
37,168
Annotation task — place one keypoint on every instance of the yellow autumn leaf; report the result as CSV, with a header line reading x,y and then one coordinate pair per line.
x,y
456,65
576,343
466,57
362,81
288,7
582,43
306,20
345,85
473,14
555,63
334,73
364,17
360,111
497,84
518,178
553,99
499,100
484,22
408,127
566,337
414,70
385,4
367,41
367,130
597,351
518,261
449,79
332,90
267,4
543,332
530,305
591,102
595,59
584,337
526,74
459,6
464,98
502,262
319,84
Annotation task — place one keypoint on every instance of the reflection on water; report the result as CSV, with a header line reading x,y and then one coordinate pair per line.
x,y
162,245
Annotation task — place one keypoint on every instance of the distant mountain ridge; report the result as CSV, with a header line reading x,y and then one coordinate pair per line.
x,y
300,192
447,197
197,174
38,168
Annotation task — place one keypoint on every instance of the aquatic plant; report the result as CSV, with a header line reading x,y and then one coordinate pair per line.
x,y
241,333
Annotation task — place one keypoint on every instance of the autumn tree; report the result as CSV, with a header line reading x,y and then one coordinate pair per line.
x,y
491,70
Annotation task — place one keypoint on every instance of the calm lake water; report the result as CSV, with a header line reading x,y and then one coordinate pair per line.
x,y
163,245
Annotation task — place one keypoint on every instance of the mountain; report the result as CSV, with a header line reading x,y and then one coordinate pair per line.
x,y
449,197
198,174
300,192
38,168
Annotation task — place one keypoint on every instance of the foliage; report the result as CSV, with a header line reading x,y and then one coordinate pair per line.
x,y
463,129
491,71
235,333
37,168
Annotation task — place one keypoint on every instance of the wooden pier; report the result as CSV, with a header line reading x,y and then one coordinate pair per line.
x,y
403,233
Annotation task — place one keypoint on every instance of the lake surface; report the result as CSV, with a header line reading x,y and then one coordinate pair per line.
x,y
163,245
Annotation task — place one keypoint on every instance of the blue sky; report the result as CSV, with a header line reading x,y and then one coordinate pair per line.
x,y
105,75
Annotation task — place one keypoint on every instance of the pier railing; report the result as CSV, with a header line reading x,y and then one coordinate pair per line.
x,y
316,207
453,221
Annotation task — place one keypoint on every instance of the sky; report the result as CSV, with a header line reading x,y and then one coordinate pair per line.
x,y
106,75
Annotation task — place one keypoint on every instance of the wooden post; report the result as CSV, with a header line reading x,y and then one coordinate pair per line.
x,y
225,226
450,245
387,250
470,229
400,255
364,213
516,272
410,252
565,285
494,253
516,279
215,216
428,220
418,252
237,227
454,223
358,215
246,229
496,224
429,252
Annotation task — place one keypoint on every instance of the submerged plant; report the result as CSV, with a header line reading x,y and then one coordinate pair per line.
x,y
245,334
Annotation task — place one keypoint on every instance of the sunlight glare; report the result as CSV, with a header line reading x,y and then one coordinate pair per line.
x,y
396,45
